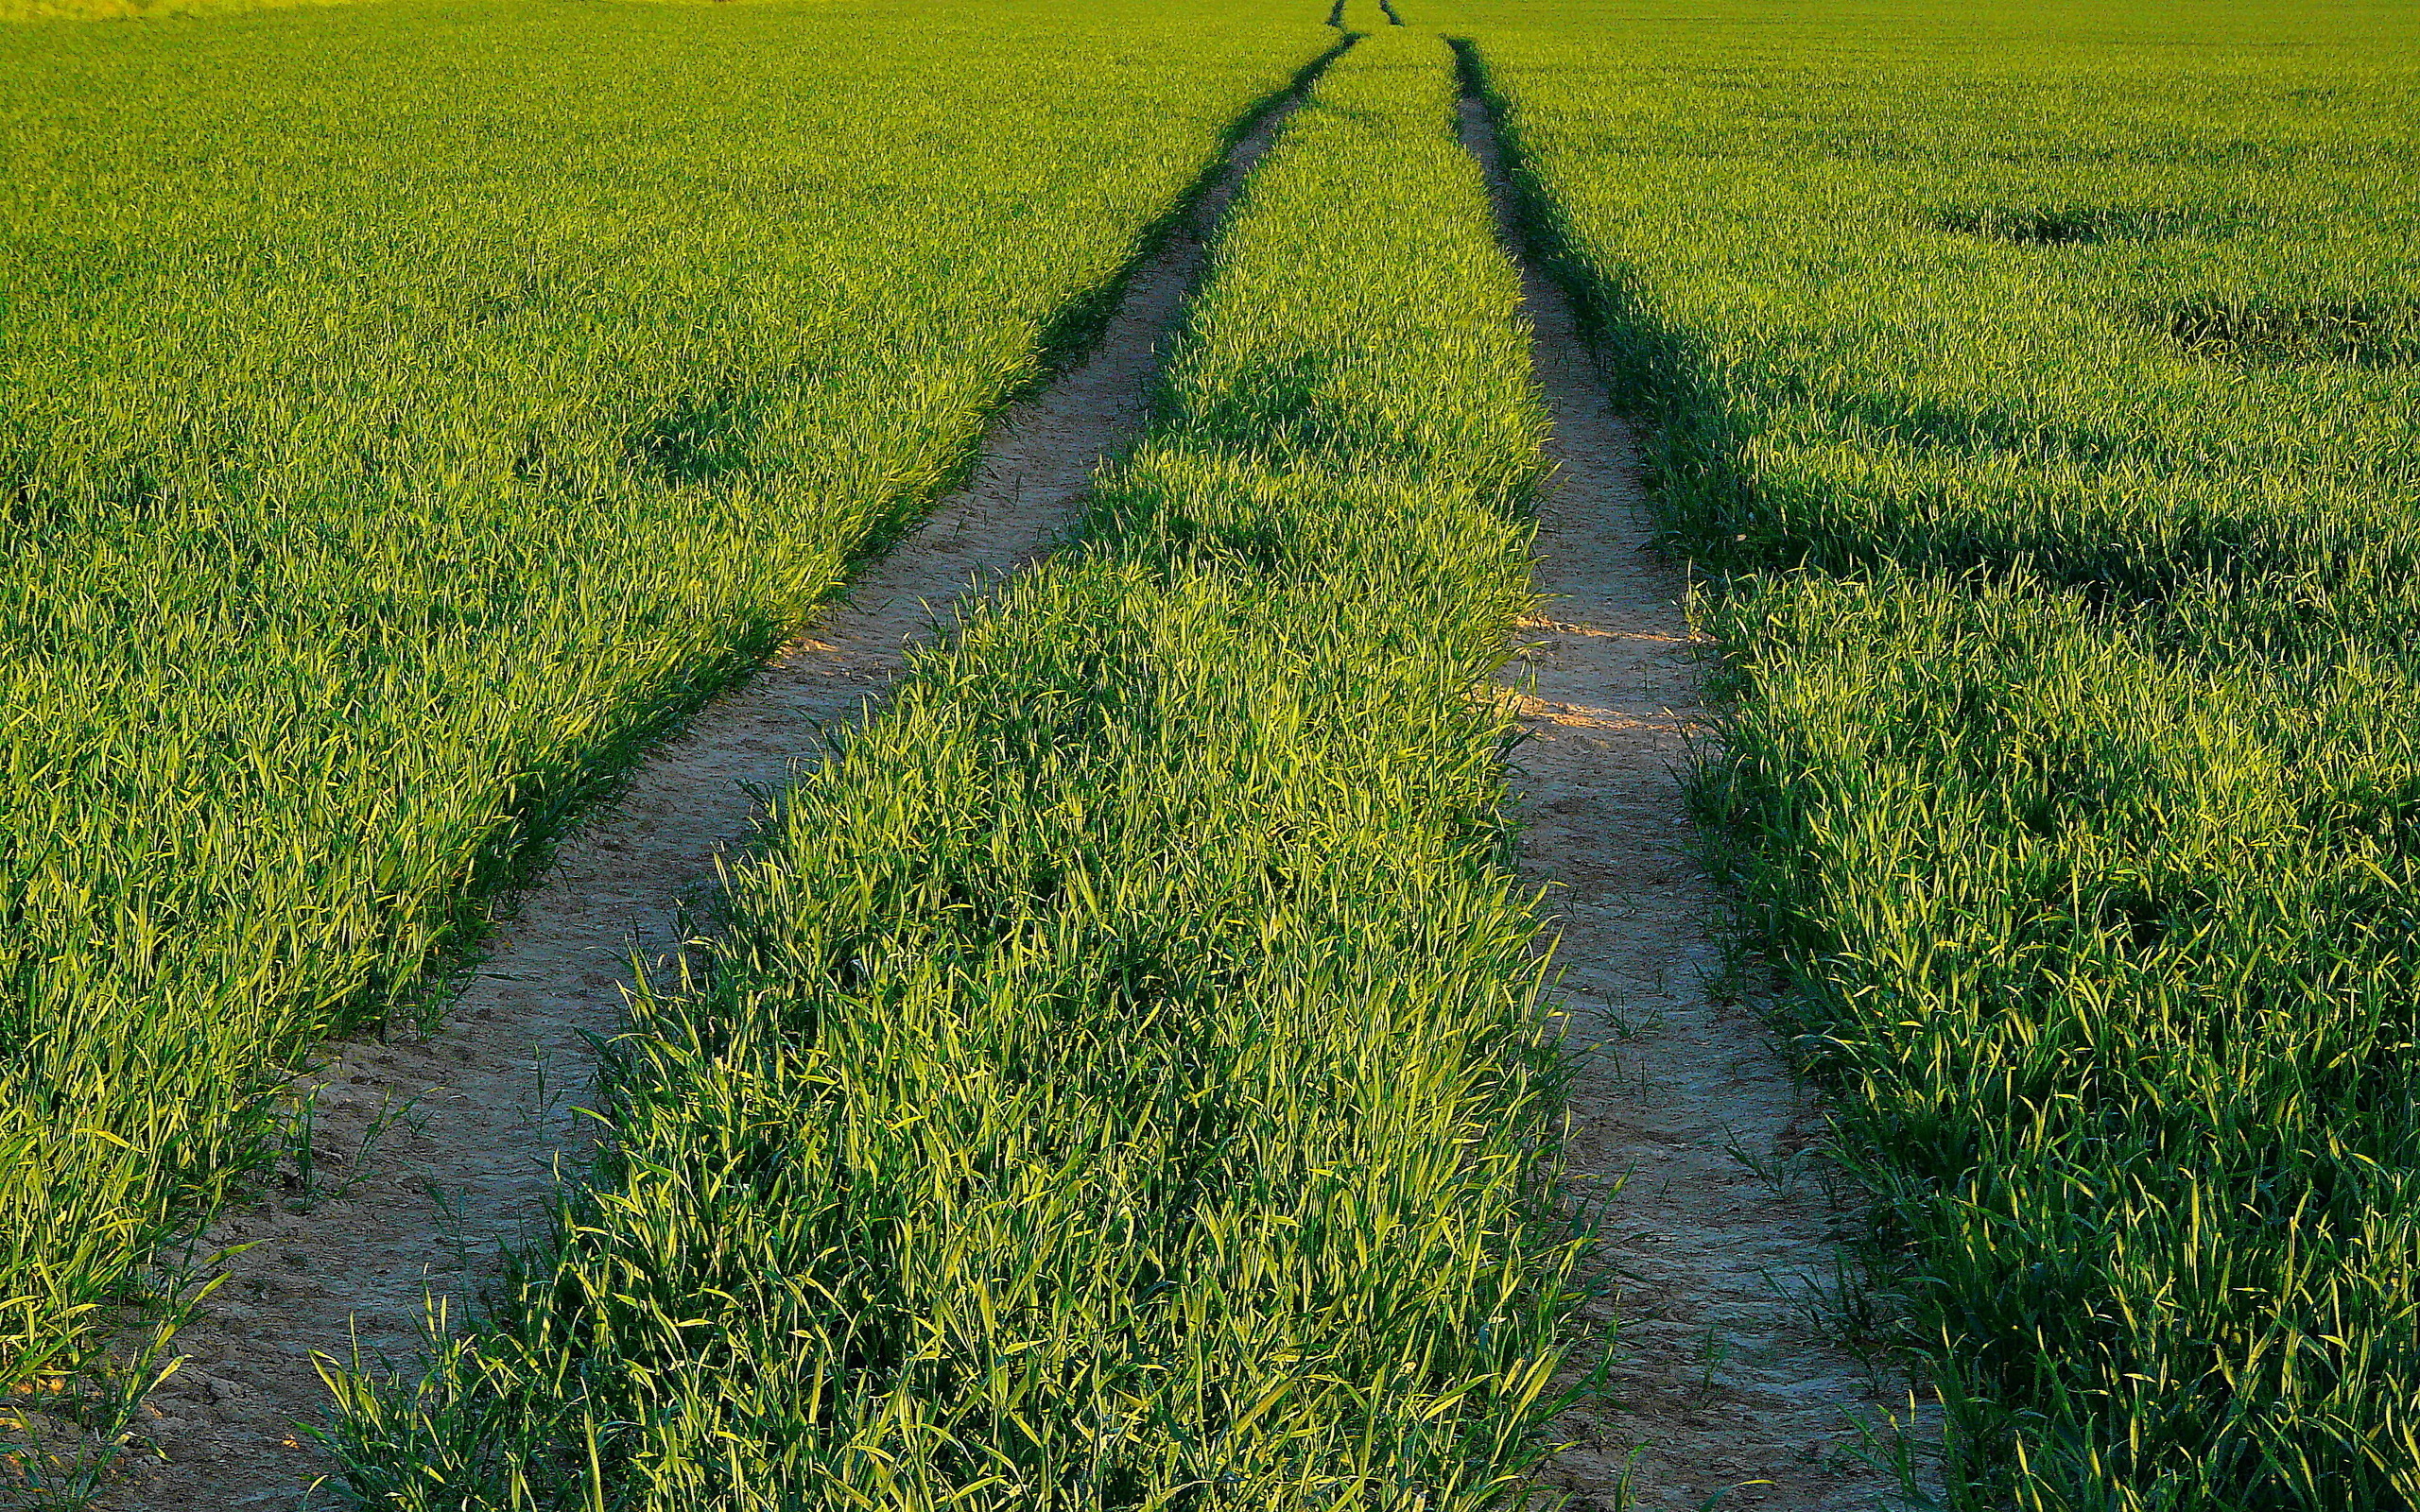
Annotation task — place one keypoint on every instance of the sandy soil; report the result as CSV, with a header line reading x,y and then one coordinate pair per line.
x,y
1687,1129
465,1129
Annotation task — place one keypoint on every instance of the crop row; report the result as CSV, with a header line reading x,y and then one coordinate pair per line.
x,y
2046,377
407,409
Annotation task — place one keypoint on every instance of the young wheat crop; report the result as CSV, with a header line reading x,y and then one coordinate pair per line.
x,y
408,408
2045,376
1121,1083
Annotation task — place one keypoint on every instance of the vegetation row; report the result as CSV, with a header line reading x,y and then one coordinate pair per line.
x,y
2044,375
1121,1081
407,409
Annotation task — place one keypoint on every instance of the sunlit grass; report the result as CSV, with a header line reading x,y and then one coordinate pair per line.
x,y
2044,373
1121,1083
407,409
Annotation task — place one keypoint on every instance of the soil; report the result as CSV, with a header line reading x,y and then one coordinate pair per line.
x,y
1688,1134
432,1153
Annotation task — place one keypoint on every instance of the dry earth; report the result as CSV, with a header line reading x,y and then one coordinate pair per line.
x,y
1721,1389
464,1129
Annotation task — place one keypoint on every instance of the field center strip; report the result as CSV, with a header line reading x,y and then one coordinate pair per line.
x,y
432,1153
1121,1083
1685,1119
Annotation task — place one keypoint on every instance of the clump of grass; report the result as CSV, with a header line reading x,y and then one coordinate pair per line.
x,y
2366,332
1121,1082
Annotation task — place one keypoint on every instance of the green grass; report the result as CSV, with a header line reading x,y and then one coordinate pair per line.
x,y
1121,1082
407,409
2045,376
39,10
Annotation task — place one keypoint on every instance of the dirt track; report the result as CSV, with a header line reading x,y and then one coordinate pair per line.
x,y
1720,1386
472,1122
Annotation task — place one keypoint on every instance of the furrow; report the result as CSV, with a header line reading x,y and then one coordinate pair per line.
x,y
1686,1128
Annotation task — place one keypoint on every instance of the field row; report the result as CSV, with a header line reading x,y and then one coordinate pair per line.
x,y
2045,376
408,410
1121,1082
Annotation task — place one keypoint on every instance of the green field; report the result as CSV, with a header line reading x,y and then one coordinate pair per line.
x,y
2045,376
1121,1082
1124,1078
410,407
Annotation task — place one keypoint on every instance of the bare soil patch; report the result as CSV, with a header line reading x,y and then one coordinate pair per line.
x,y
433,1154
1686,1125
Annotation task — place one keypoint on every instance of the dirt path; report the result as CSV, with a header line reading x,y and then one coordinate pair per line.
x,y
465,1127
1718,1388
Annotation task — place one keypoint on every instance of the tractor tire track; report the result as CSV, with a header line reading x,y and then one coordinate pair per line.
x,y
1686,1125
459,1135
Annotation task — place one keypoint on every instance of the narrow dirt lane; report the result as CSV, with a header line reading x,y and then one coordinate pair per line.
x,y
465,1128
1720,1392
